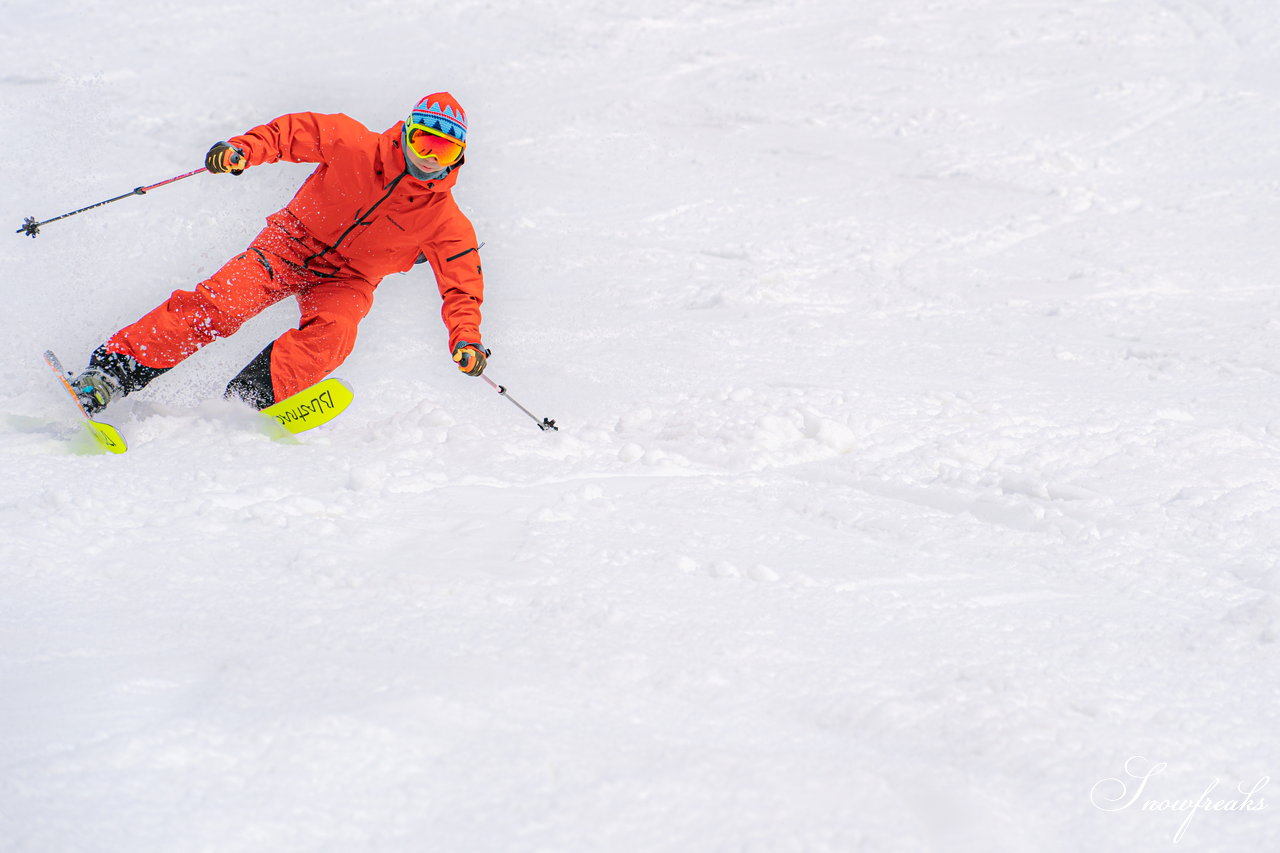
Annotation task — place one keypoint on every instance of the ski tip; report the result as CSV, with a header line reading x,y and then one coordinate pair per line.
x,y
56,363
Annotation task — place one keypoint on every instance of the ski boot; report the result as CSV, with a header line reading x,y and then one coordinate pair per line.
x,y
95,389
109,377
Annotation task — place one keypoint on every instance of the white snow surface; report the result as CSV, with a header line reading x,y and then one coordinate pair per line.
x,y
918,480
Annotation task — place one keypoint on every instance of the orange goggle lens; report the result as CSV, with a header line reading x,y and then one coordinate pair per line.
x,y
426,143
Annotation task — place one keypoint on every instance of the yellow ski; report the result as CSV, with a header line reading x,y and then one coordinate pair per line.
x,y
305,410
108,438
312,406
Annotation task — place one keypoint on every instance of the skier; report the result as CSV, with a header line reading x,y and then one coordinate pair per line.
x,y
376,204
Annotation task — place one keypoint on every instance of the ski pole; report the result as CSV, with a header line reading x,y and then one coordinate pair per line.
x,y
543,424
31,228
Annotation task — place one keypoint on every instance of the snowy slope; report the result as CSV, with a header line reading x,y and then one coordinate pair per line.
x,y
918,485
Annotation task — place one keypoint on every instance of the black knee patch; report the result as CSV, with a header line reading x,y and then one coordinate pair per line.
x,y
253,384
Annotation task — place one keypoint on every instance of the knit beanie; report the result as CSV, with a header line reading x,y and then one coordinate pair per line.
x,y
440,112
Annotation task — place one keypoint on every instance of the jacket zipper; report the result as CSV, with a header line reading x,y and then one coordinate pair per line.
x,y
360,220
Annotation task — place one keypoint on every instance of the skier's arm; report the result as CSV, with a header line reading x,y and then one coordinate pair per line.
x,y
296,137
456,263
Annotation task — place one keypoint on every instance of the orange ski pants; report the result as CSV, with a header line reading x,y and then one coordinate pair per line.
x,y
332,303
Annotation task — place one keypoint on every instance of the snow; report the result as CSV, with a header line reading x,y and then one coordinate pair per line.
x,y
917,481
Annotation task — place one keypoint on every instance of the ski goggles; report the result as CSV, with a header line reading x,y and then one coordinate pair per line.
x,y
425,142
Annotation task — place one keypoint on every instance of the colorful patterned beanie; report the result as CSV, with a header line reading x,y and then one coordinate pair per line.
x,y
440,111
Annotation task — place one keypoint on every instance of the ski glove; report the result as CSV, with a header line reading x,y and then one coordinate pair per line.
x,y
224,157
471,358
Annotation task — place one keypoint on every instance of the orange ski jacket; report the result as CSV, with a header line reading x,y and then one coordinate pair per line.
x,y
362,213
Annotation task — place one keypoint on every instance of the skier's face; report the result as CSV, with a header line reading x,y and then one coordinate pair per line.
x,y
432,149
